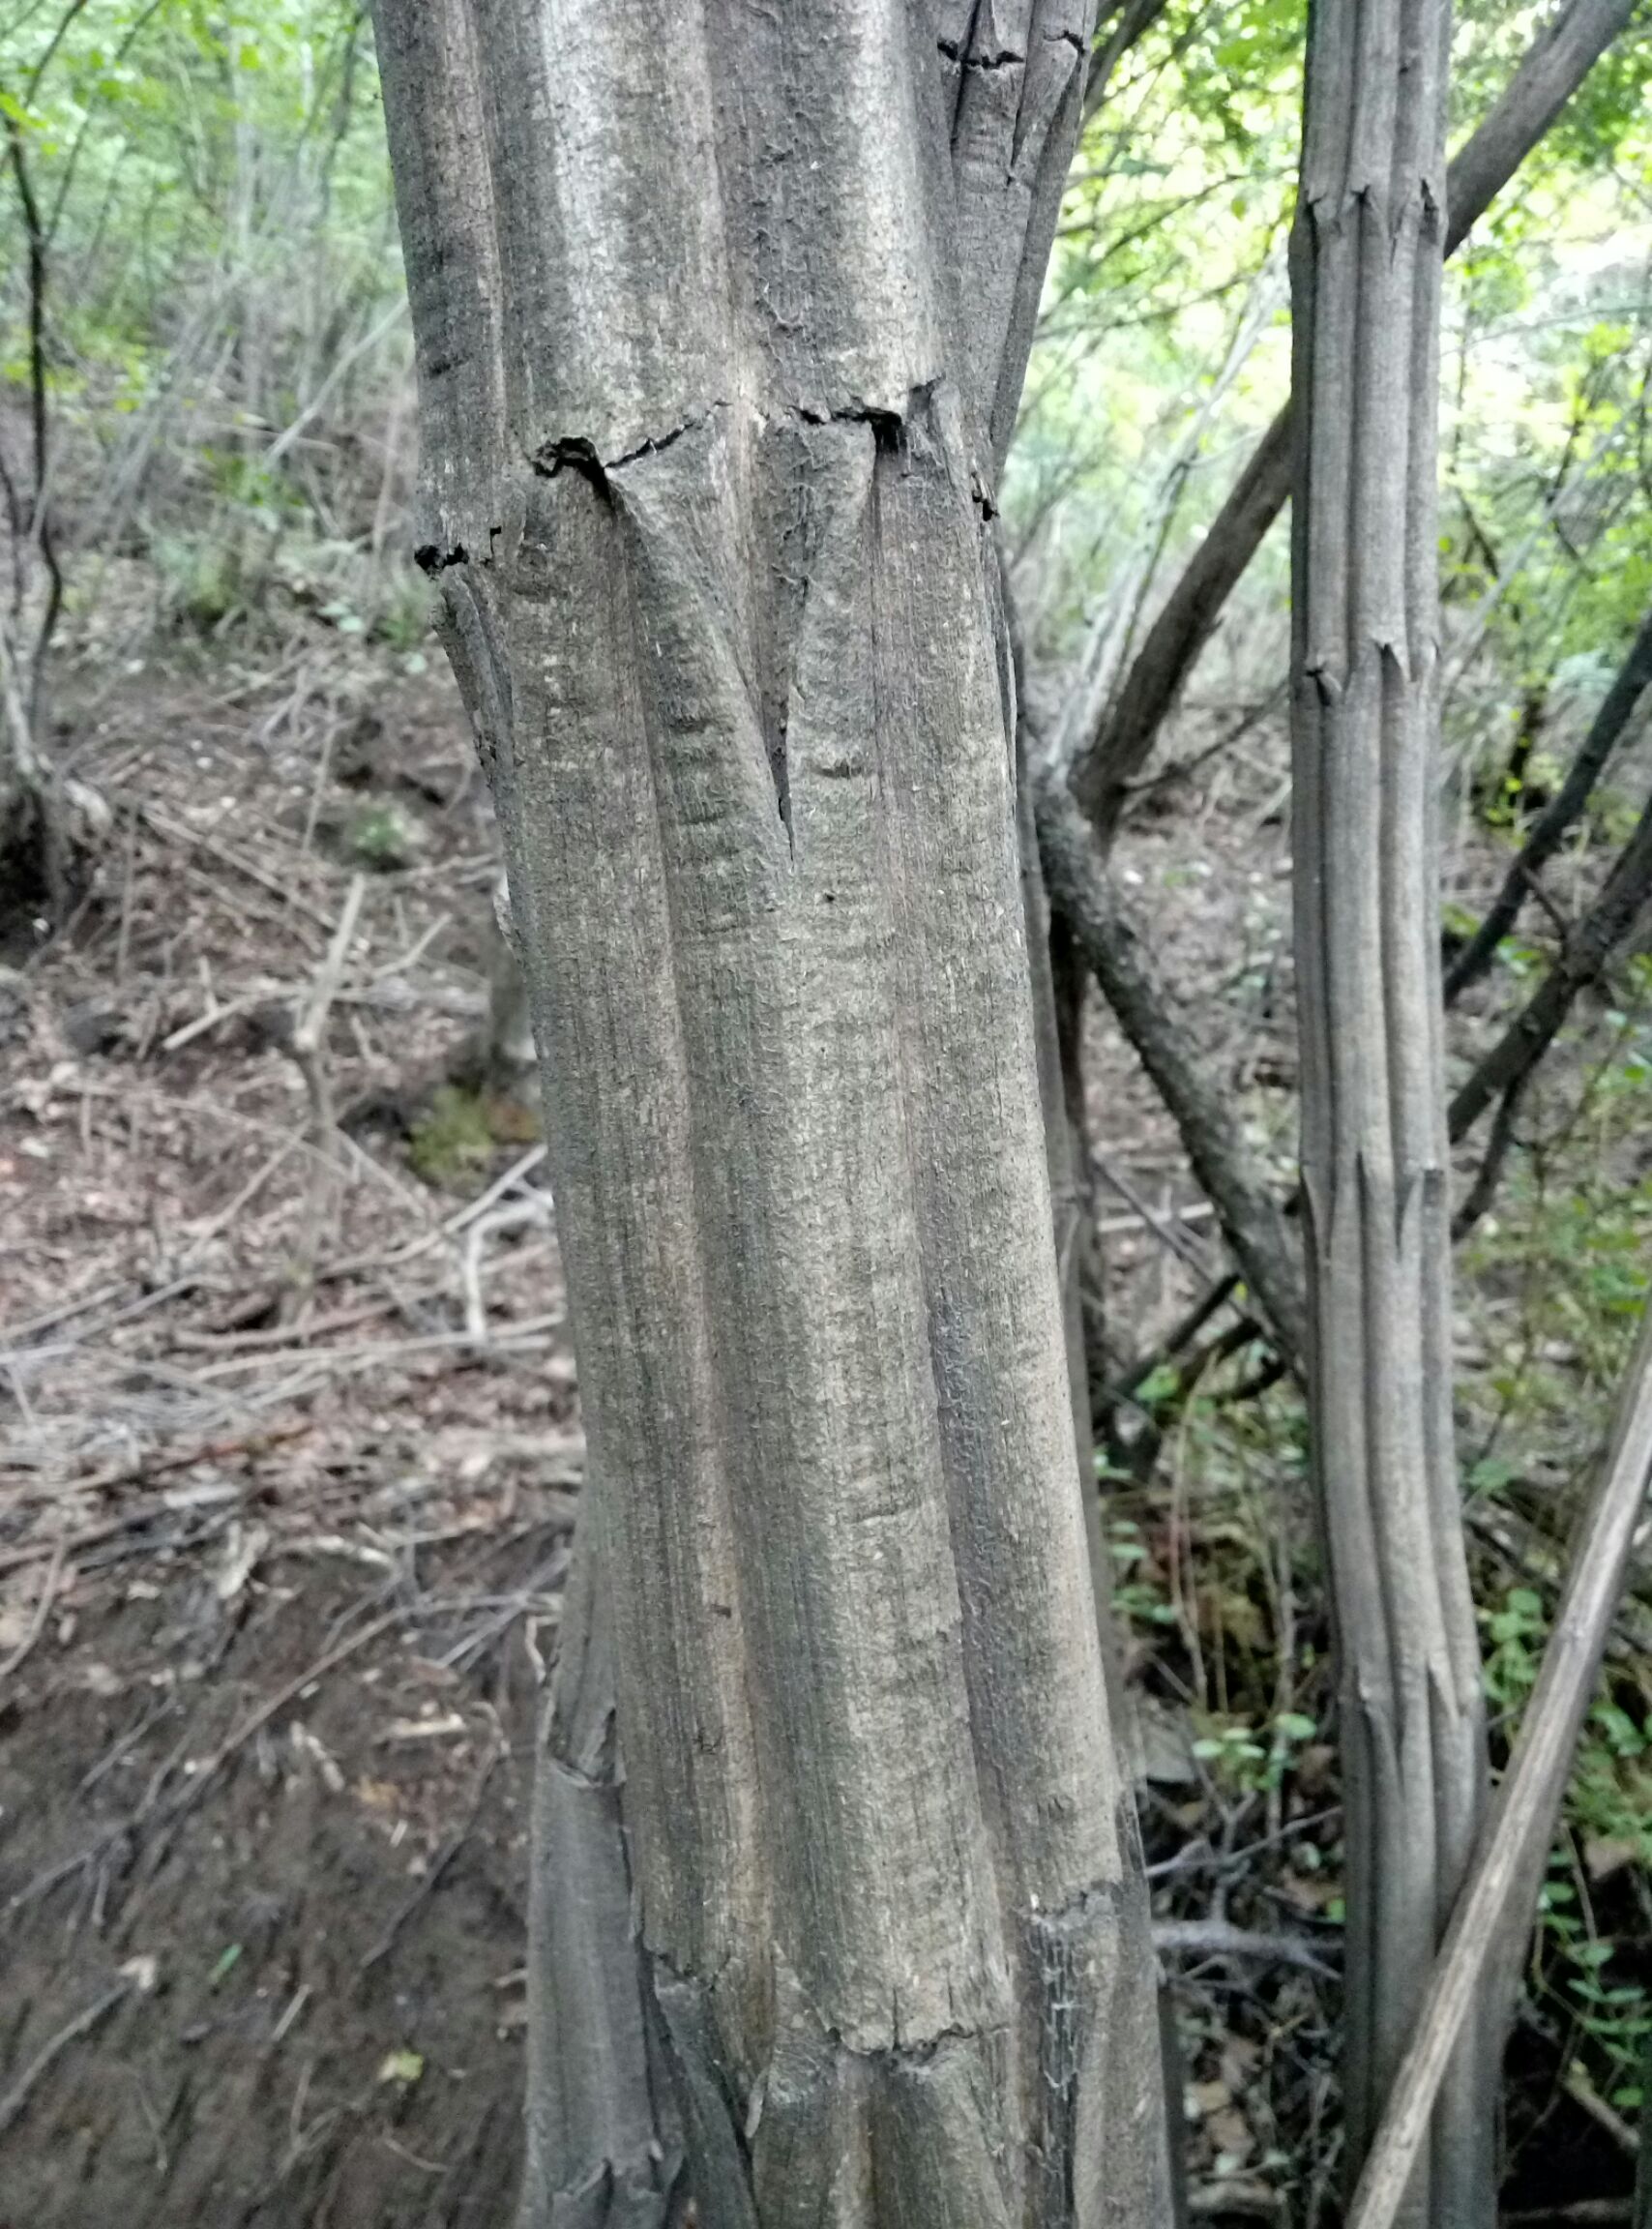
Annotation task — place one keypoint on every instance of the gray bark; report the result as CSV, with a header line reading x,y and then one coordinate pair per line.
x,y
716,368
603,2145
1565,51
1367,252
1485,1949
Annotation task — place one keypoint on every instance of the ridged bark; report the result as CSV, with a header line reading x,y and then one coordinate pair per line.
x,y
718,360
1366,254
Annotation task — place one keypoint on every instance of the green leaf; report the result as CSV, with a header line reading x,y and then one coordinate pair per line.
x,y
225,1961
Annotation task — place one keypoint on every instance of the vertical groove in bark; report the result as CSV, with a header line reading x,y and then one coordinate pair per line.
x,y
1367,252
1014,76
727,625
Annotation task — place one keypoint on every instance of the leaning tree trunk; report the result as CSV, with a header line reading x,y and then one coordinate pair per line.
x,y
722,315
1367,252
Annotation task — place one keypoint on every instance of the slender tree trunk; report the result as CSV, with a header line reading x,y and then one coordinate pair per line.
x,y
1366,251
1560,58
718,362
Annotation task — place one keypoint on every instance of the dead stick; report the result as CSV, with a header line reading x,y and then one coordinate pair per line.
x,y
1219,1938
43,1610
310,1051
23,2089
210,1768
1508,1863
147,1467
93,1536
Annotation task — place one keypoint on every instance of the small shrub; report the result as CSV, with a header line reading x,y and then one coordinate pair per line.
x,y
383,838
453,1138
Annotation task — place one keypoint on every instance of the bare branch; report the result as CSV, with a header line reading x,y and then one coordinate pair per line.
x,y
1121,24
1482,1943
1483,1190
1548,830
1583,957
1553,68
1116,948
40,532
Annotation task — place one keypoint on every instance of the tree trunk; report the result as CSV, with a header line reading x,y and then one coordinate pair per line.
x,y
1366,254
718,362
603,2145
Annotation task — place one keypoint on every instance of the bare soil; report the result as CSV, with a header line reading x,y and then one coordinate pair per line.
x,y
289,1458
288,1451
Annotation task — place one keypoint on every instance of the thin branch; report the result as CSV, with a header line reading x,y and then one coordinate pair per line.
x,y
1115,949
1169,1234
16,2098
52,45
13,1663
39,524
1221,1939
1634,677
1481,1943
1548,76
1583,957
1482,1190
1130,20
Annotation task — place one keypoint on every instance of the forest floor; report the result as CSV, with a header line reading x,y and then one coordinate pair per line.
x,y
289,1454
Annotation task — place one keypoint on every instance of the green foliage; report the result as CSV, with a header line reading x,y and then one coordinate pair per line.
x,y
453,1138
225,339
1137,1593
382,836
1183,192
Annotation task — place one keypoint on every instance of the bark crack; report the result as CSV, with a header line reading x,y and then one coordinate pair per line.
x,y
577,452
432,558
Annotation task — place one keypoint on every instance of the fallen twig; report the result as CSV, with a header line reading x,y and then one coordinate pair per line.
x,y
1583,2094
1219,1938
146,1466
37,1626
94,1536
443,1858
16,2098
274,1705
1167,1231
